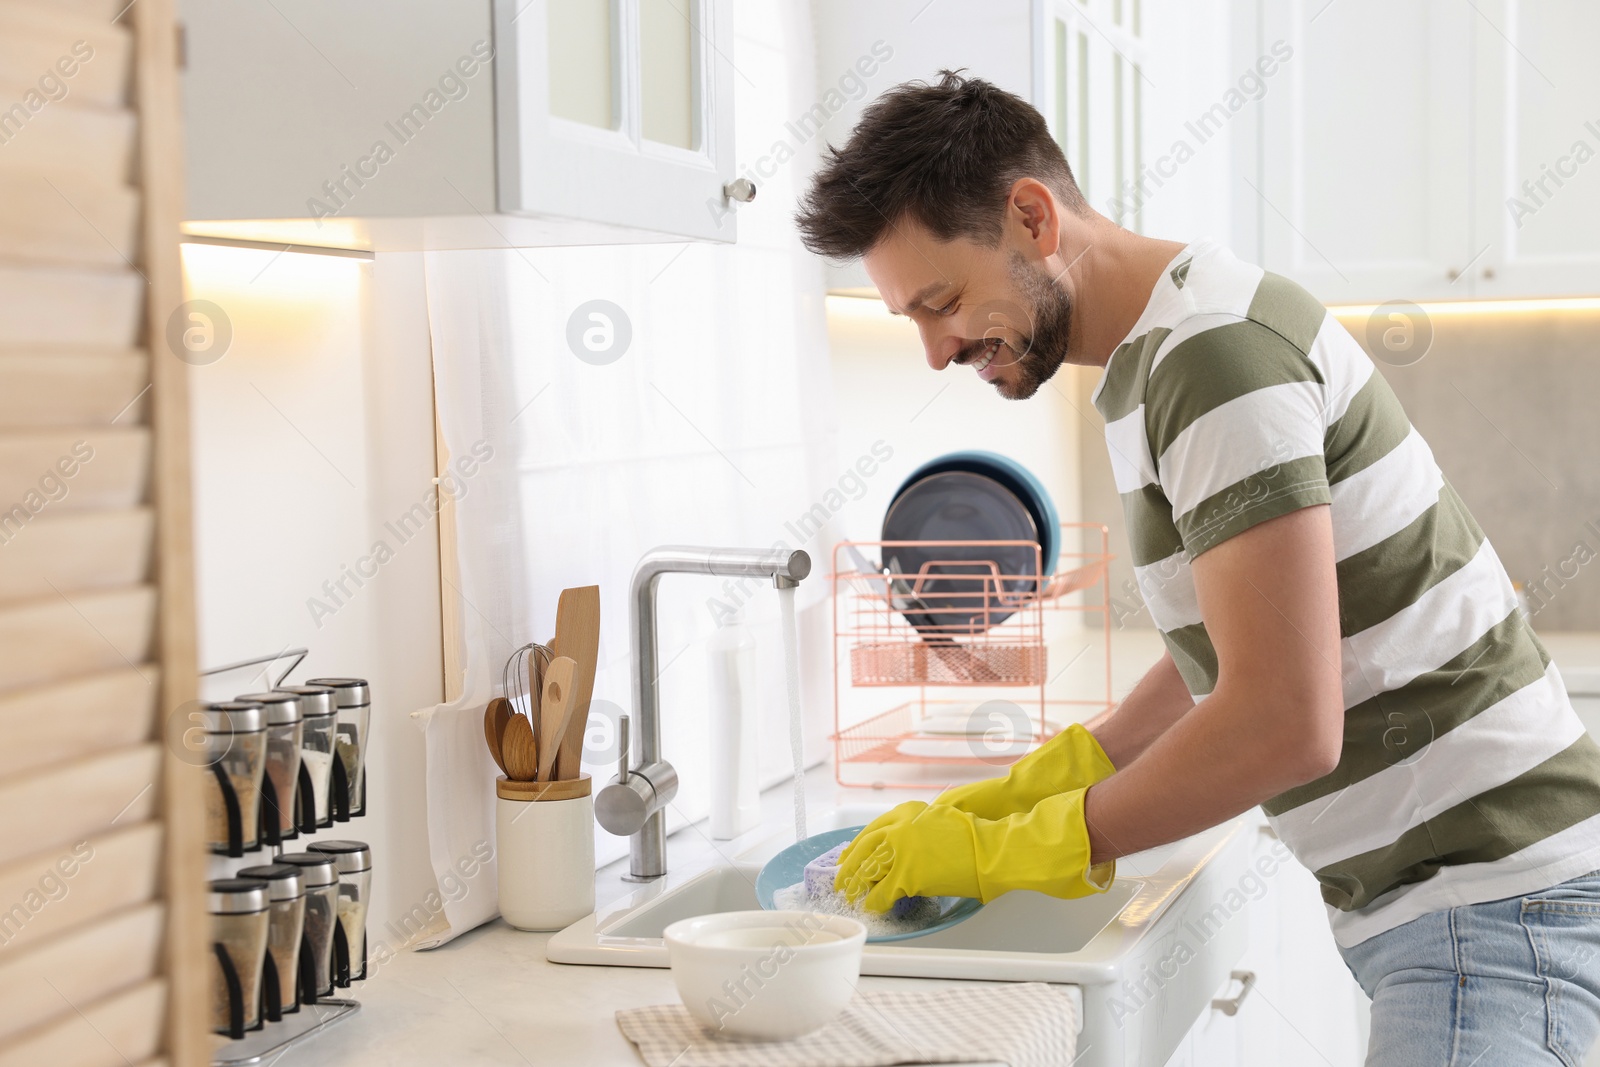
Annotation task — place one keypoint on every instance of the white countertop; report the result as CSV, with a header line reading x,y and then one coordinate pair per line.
x,y
1577,655
491,997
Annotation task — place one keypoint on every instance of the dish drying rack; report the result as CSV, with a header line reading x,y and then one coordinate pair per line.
x,y
1002,644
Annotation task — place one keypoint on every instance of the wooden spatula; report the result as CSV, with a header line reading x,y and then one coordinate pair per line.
x,y
495,719
577,638
556,709
520,750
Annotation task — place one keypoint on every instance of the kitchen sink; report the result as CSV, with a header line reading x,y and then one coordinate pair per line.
x,y
1017,922
1148,954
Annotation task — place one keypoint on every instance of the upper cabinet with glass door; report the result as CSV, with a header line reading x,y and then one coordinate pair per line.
x,y
618,112
462,125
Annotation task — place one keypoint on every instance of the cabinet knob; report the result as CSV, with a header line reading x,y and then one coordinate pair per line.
x,y
1488,273
741,189
1452,274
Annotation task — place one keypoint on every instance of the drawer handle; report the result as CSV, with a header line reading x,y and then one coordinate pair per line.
x,y
1230,1005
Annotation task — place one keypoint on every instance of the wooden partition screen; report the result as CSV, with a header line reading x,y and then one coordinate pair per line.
x,y
103,932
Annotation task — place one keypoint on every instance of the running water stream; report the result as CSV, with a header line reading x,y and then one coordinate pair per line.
x,y
791,669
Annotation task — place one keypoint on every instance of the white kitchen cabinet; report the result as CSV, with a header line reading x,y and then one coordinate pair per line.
x,y
481,124
1537,131
1305,1004
1427,151
1358,183
617,112
1302,1005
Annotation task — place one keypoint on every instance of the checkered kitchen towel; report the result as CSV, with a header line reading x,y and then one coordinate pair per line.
x,y
1026,1025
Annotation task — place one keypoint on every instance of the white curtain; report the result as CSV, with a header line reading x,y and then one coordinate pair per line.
x,y
712,427
468,328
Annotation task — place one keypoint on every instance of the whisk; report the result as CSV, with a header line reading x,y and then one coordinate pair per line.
x,y
514,678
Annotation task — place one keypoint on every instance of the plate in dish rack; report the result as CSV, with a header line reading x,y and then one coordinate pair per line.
x,y
948,578
788,868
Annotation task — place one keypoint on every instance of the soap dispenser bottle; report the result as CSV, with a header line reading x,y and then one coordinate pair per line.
x,y
735,799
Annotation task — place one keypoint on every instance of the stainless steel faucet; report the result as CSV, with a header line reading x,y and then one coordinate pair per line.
x,y
635,802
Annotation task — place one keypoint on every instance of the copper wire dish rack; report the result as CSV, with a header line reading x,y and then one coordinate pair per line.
x,y
950,626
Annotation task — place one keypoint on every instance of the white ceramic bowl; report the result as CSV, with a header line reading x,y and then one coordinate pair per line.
x,y
765,974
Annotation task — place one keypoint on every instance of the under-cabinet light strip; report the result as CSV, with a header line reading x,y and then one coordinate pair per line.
x,y
276,246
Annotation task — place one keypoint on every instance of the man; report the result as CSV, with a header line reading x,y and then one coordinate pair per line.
x,y
1343,645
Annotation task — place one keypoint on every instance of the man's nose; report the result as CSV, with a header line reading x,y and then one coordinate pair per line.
x,y
939,346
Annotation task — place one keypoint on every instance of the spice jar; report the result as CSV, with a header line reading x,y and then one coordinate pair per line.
x,y
321,880
286,918
355,719
353,860
284,733
239,934
318,713
236,756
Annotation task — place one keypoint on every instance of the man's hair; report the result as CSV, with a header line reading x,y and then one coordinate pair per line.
x,y
944,155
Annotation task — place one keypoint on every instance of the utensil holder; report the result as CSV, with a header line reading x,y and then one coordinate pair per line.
x,y
544,848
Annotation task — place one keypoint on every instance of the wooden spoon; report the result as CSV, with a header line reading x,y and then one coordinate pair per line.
x,y
520,750
495,718
556,706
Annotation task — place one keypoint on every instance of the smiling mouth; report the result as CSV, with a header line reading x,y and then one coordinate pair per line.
x,y
982,362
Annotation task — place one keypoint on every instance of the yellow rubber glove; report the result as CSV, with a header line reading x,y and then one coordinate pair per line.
x,y
1072,759
944,851
893,817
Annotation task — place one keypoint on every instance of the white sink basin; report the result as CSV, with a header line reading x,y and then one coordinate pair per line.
x,y
1021,922
1148,954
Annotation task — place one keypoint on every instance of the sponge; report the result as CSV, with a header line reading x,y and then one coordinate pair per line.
x,y
820,873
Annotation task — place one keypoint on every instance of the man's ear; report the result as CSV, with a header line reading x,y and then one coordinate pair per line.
x,y
1032,209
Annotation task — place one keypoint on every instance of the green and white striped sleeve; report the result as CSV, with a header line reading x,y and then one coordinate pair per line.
x,y
1235,416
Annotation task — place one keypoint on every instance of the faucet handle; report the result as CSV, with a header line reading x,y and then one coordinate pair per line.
x,y
625,804
623,753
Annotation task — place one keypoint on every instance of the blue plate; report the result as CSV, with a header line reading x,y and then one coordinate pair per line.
x,y
1015,477
788,867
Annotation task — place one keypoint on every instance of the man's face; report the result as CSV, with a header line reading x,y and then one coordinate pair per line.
x,y
991,309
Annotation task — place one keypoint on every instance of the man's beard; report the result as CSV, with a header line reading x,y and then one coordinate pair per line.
x,y
1044,346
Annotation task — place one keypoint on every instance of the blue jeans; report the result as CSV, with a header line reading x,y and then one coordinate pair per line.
x,y
1507,982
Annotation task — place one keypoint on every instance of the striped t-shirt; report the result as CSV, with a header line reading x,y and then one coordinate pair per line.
x,y
1465,775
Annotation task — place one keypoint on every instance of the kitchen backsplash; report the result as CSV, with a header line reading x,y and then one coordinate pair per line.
x,y
1508,403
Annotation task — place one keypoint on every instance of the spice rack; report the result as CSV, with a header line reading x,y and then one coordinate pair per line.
x,y
311,807
954,624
